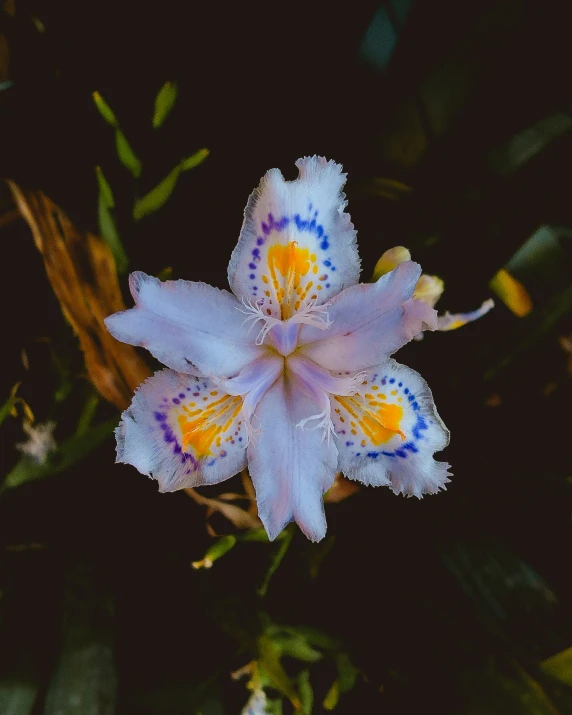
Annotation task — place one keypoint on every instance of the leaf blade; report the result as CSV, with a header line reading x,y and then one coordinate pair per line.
x,y
164,103
126,155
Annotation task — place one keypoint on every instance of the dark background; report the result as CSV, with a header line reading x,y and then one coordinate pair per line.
x,y
447,604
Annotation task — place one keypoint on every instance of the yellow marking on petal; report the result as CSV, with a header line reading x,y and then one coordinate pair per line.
x,y
288,265
378,421
200,428
265,279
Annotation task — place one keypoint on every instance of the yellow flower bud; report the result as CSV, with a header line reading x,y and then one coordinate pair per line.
x,y
390,260
429,289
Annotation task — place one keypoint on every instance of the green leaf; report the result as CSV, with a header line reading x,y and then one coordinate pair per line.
x,y
17,696
194,160
9,407
504,686
306,692
347,672
109,231
164,103
270,662
126,155
6,409
153,201
104,188
69,452
221,547
559,666
87,414
104,109
84,677
274,707
255,535
276,559
332,697
314,637
157,196
294,645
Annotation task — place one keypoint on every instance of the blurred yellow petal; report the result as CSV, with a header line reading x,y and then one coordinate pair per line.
x,y
390,260
512,293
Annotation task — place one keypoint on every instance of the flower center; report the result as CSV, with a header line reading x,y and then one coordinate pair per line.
x,y
284,333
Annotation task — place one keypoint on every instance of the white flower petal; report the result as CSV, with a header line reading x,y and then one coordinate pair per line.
x,y
183,431
369,322
452,321
389,431
297,245
291,466
190,327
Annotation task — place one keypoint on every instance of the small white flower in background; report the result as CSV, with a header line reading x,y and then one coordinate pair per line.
x,y
256,704
40,441
290,376
428,290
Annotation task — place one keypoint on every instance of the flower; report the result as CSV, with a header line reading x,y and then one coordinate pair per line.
x,y
428,290
256,705
40,441
292,374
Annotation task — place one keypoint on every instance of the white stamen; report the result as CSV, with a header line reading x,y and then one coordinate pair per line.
x,y
310,314
325,422
355,382
251,432
314,315
254,312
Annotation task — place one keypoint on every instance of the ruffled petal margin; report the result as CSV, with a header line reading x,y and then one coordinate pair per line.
x,y
297,245
369,322
389,431
183,431
190,327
